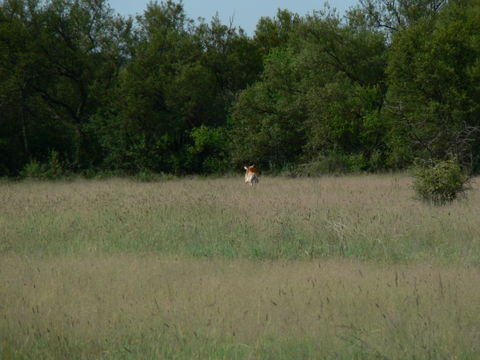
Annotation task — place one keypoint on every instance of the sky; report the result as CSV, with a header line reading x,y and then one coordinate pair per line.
x,y
245,13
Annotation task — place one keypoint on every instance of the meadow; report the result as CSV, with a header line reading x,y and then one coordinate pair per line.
x,y
349,267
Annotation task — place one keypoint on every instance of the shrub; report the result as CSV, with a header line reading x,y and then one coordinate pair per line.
x,y
325,164
150,176
33,170
52,169
439,182
357,162
145,176
334,163
209,151
376,161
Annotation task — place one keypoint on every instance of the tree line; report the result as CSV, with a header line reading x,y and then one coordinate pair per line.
x,y
85,90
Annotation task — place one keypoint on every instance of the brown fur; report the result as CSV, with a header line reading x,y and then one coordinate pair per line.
x,y
251,174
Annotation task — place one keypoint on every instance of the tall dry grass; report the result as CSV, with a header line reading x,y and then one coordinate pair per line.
x,y
118,306
351,268
361,217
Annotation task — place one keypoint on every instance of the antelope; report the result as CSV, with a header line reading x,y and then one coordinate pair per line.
x,y
251,175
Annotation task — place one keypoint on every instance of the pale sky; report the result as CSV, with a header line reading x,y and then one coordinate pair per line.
x,y
245,13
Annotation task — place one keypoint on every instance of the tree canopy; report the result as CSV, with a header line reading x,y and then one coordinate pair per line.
x,y
388,83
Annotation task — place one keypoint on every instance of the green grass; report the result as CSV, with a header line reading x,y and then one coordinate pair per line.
x,y
330,268
118,306
373,218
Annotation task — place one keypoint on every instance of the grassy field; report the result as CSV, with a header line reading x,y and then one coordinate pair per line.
x,y
358,217
330,268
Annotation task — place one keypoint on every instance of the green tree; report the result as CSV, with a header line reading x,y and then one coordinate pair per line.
x,y
320,93
395,15
183,78
79,61
434,96
18,101
232,58
274,32
345,88
58,60
267,118
209,151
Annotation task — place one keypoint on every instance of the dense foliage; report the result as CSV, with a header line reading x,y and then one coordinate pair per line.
x,y
439,182
84,90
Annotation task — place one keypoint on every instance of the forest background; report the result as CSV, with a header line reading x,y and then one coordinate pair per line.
x,y
86,91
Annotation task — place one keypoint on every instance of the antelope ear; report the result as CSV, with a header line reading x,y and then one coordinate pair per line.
x,y
245,168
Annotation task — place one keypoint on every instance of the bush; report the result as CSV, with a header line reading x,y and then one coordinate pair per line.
x,y
52,169
209,152
149,176
439,182
145,176
326,164
376,161
357,163
334,163
33,170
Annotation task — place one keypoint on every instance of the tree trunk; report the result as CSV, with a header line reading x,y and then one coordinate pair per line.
x,y
24,127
